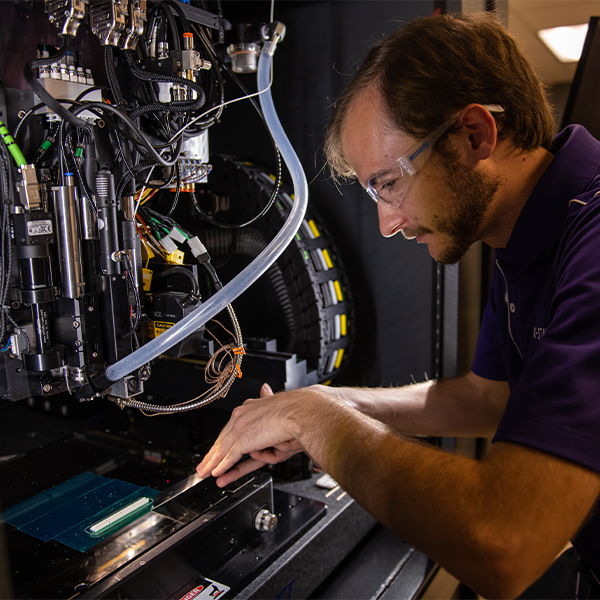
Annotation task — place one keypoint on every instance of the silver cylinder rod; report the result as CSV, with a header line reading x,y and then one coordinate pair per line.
x,y
68,239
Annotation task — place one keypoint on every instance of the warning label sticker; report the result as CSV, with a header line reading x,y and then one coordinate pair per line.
x,y
209,589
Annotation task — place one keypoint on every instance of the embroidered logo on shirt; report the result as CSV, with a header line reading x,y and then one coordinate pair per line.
x,y
538,333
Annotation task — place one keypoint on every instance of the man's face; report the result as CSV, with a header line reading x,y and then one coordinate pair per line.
x,y
446,202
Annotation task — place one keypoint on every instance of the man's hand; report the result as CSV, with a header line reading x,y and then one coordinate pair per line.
x,y
260,428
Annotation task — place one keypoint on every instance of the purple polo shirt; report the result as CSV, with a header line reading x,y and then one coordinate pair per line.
x,y
541,326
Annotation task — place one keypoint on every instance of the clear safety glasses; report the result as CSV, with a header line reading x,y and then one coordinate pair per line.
x,y
389,185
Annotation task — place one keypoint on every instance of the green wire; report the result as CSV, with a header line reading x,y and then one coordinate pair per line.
x,y
12,146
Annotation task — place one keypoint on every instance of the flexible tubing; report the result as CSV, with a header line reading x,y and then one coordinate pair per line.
x,y
258,266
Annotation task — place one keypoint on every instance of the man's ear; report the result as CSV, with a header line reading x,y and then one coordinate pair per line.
x,y
478,135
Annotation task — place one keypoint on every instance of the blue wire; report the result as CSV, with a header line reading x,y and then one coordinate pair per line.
x,y
6,347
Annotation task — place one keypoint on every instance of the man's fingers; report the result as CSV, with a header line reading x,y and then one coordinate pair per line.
x,y
213,458
227,450
239,470
205,467
227,462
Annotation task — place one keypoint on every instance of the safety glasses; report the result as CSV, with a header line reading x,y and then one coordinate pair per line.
x,y
389,185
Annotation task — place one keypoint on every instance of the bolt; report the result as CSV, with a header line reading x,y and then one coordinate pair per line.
x,y
47,387
76,324
90,309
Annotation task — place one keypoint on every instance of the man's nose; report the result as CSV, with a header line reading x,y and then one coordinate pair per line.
x,y
390,219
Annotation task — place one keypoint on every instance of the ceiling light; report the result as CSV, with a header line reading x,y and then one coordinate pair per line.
x,y
566,43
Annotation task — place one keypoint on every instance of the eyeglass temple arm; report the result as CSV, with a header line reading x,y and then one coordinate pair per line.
x,y
407,162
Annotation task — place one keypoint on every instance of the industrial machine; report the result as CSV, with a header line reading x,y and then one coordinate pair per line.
x,y
126,245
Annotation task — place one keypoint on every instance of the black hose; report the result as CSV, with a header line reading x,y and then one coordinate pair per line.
x,y
113,82
184,22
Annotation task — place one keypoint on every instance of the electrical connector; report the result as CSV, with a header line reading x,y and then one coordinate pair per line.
x,y
175,258
176,235
29,188
199,250
196,246
168,244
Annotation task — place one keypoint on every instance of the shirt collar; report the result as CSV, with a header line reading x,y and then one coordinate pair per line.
x,y
576,163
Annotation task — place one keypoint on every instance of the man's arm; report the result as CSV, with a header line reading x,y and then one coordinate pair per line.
x,y
468,406
496,524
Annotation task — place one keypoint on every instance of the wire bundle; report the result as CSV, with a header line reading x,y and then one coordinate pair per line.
x,y
140,138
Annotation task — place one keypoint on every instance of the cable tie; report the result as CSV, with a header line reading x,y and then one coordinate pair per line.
x,y
239,350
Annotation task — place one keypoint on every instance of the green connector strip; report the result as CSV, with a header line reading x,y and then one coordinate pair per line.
x,y
12,146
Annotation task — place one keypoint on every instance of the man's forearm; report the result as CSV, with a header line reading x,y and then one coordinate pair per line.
x,y
470,516
464,407
479,519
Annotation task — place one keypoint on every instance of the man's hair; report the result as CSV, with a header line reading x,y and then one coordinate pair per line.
x,y
431,68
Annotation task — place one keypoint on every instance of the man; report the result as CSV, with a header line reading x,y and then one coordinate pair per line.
x,y
446,127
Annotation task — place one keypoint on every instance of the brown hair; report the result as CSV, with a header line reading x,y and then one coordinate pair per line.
x,y
433,67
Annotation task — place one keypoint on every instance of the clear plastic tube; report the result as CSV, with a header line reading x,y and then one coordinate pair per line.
x,y
258,266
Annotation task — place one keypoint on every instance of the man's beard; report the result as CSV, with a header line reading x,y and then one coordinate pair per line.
x,y
473,192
